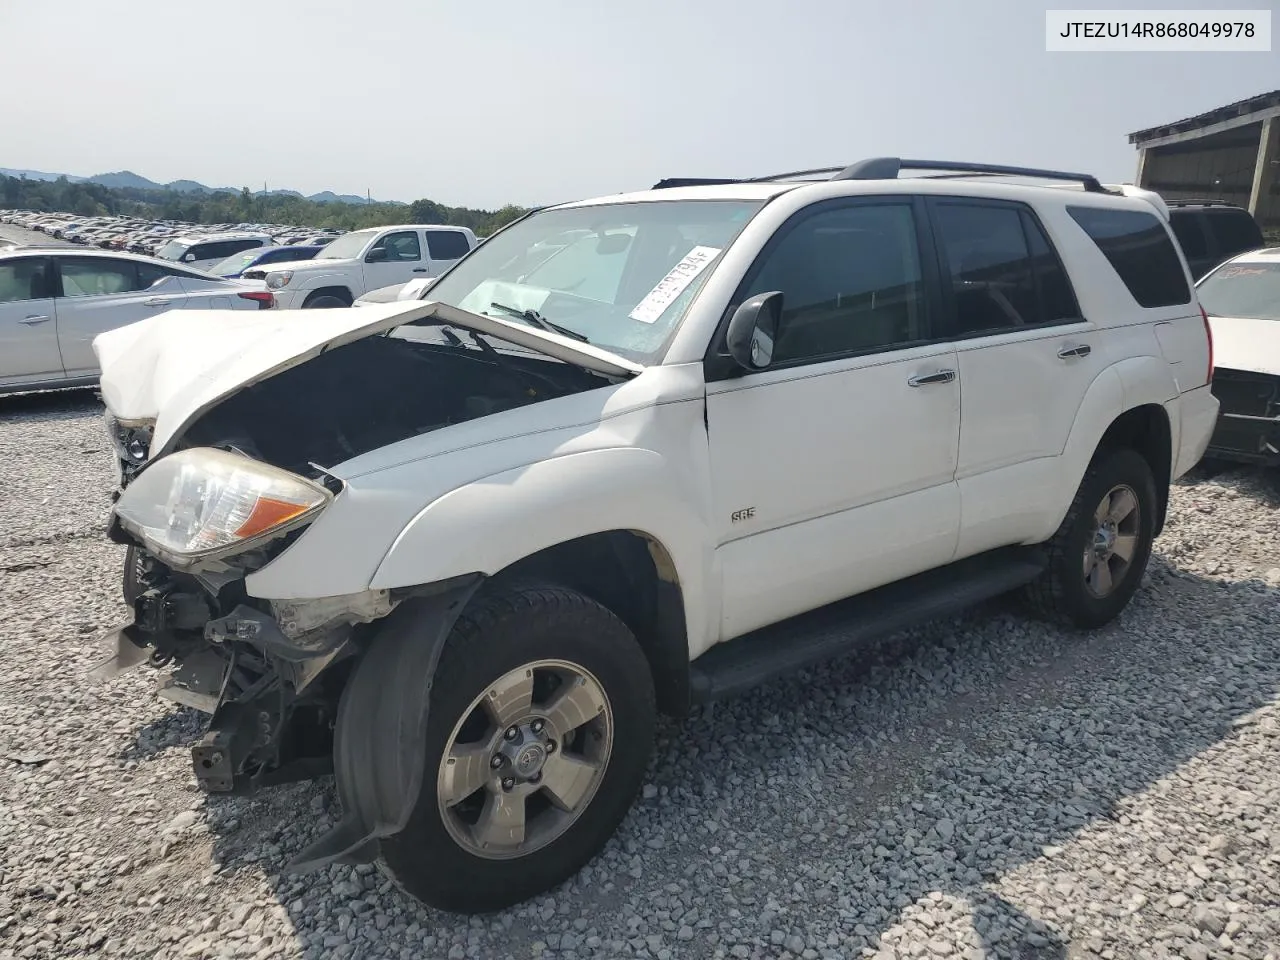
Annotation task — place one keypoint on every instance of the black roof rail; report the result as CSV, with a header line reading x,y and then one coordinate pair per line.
x,y
1200,202
887,168
692,182
794,174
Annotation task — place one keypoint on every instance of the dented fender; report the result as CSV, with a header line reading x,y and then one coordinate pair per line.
x,y
379,748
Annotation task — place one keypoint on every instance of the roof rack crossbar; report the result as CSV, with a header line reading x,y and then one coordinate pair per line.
x,y
888,168
1200,201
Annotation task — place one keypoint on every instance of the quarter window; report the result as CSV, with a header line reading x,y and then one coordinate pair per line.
x,y
1235,230
1139,248
1002,270
851,282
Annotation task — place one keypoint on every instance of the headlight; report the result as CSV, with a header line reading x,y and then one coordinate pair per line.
x,y
130,438
201,502
277,280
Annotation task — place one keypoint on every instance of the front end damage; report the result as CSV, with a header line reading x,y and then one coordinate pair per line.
x,y
1248,428
297,688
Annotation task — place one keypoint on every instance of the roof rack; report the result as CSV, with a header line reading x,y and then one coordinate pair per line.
x,y
887,168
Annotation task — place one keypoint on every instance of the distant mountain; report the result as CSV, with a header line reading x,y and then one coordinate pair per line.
x,y
129,179
36,175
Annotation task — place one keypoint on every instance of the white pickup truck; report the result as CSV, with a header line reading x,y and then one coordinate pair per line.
x,y
634,454
365,260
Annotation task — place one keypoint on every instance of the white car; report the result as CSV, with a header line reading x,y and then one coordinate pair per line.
x,y
366,260
1242,298
202,252
55,300
476,542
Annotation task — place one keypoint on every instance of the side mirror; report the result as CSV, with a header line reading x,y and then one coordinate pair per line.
x,y
376,255
753,330
188,258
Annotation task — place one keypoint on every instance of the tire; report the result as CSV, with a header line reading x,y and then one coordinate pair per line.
x,y
1068,592
132,585
436,859
325,302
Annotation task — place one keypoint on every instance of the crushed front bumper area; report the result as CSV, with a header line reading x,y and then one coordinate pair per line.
x,y
1248,428
271,697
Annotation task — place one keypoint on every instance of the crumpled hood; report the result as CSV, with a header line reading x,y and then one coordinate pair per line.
x,y
1247,344
176,365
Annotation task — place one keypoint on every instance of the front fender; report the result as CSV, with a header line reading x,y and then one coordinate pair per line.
x,y
490,523
327,278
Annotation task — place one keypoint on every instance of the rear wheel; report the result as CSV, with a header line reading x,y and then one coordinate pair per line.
x,y
132,585
325,302
1098,555
538,735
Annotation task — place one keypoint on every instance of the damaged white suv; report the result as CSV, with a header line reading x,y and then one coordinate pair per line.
x,y
633,454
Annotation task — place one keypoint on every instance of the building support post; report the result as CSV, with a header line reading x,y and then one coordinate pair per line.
x,y
1266,170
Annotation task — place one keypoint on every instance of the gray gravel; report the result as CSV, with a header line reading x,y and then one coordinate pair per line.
x,y
983,787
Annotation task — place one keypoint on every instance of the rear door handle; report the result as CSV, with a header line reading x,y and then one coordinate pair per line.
x,y
419,269
30,321
927,379
157,301
1079,350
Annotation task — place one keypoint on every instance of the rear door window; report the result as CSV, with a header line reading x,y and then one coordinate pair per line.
x,y
1003,272
1140,250
24,279
447,244
97,276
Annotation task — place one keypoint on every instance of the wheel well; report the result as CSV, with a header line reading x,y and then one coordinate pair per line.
x,y
632,575
1146,430
342,293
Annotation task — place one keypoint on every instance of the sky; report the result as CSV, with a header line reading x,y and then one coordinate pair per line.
x,y
486,103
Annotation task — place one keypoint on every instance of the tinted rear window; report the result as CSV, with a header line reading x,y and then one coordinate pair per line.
x,y
447,244
1138,247
1234,230
1186,227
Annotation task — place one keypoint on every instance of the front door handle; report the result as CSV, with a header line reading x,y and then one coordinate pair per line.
x,y
29,321
1079,350
926,379
419,269
158,301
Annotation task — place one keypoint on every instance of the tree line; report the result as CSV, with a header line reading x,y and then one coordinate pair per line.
x,y
224,206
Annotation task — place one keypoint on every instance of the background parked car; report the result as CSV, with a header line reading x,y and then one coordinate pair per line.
x,y
207,251
1212,231
236,264
55,300
1242,300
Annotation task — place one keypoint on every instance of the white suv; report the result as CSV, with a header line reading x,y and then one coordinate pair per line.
x,y
466,548
203,252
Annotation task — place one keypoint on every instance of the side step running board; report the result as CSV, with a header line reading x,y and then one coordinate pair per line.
x,y
733,667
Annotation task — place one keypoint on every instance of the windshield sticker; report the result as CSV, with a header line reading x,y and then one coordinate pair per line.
x,y
1242,272
673,284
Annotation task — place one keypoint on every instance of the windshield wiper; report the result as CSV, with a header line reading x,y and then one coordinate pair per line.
x,y
534,318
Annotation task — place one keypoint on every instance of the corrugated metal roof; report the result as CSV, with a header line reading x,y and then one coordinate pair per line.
x,y
1240,108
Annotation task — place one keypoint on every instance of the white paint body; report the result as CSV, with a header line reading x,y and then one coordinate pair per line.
x,y
854,478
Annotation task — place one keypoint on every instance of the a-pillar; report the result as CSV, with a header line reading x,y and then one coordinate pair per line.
x,y
1261,200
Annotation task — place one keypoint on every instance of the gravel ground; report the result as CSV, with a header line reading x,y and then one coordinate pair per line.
x,y
12,234
983,787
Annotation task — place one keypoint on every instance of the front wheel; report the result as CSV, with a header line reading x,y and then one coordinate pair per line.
x,y
325,302
538,735
1098,555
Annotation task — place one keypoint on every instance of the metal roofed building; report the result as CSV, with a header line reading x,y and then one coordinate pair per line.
x,y
1231,153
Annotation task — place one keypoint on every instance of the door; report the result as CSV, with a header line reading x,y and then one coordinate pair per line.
x,y
102,293
1027,358
28,331
445,248
833,471
394,258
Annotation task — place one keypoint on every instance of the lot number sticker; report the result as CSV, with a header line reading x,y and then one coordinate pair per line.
x,y
673,284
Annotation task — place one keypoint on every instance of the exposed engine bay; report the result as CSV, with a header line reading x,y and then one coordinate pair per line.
x,y
379,390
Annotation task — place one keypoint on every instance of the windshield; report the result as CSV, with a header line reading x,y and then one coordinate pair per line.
x,y
346,247
234,263
173,250
1245,290
619,276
